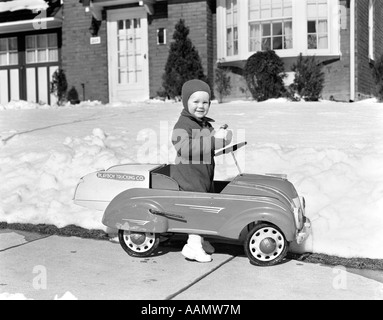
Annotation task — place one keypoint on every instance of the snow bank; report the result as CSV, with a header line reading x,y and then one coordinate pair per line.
x,y
343,191
19,296
16,5
40,185
332,152
12,296
23,105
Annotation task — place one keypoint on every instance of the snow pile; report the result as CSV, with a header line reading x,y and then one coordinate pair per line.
x,y
40,185
16,5
19,296
12,296
343,191
66,296
23,105
332,153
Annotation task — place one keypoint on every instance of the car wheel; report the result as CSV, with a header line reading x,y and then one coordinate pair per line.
x,y
138,244
265,245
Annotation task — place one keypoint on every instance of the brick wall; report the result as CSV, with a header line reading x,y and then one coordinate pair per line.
x,y
337,82
158,53
199,18
82,62
337,74
364,79
88,64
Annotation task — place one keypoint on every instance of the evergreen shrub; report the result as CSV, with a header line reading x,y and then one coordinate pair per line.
x,y
222,82
183,63
264,74
59,86
378,77
73,97
308,81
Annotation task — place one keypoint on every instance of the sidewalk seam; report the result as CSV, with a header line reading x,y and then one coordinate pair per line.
x,y
23,244
172,296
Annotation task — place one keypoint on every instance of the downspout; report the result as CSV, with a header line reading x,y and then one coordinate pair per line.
x,y
352,50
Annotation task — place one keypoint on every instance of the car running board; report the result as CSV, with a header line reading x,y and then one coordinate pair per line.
x,y
168,215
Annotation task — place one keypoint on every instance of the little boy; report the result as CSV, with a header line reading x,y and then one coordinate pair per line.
x,y
195,141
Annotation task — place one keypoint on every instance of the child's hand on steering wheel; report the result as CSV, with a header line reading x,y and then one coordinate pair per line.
x,y
224,134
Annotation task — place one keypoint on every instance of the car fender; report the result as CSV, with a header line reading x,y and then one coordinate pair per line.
x,y
285,222
123,213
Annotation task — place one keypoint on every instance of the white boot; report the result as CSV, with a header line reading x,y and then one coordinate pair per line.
x,y
206,245
193,249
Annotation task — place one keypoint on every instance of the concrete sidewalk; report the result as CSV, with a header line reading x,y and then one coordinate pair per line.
x,y
47,267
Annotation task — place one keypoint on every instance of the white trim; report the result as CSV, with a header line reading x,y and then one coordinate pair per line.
x,y
42,84
31,80
352,50
14,84
371,29
33,24
299,20
4,87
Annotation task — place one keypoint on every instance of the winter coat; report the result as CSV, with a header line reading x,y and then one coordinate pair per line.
x,y
194,142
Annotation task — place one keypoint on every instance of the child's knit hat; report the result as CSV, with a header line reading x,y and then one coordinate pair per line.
x,y
192,86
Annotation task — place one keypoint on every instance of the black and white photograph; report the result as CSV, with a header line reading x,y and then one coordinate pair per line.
x,y
191,156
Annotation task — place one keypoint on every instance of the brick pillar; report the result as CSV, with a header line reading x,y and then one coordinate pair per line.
x,y
81,61
198,18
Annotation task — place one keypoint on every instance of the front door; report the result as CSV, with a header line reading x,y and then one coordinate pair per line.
x,y
128,54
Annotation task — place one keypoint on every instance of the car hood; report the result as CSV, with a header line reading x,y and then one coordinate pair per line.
x,y
262,185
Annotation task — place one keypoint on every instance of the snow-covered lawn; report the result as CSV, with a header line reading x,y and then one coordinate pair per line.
x,y
332,152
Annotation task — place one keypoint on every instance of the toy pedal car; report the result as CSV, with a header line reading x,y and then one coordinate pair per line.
x,y
143,201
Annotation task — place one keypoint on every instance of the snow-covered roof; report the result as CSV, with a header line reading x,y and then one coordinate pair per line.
x,y
16,5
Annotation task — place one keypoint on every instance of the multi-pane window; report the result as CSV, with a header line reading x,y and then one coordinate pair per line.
x,y
231,27
41,48
270,25
129,51
8,51
317,24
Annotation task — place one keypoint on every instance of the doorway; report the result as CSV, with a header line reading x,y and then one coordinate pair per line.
x,y
128,55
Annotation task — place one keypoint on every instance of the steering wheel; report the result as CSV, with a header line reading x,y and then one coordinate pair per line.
x,y
231,148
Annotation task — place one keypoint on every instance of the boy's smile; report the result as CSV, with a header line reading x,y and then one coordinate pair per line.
x,y
199,104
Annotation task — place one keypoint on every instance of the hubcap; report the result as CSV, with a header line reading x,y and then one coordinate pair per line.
x,y
137,238
138,241
266,244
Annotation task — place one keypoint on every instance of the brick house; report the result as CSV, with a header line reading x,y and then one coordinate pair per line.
x,y
116,50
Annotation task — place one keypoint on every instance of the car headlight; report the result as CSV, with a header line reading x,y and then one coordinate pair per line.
x,y
303,204
298,212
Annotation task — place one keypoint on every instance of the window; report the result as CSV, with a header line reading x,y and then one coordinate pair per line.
x,y
8,51
317,24
231,27
161,36
129,51
270,25
371,30
41,48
